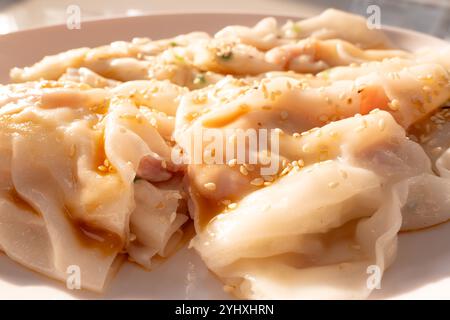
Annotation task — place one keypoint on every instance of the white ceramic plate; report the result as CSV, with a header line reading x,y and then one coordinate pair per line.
x,y
421,270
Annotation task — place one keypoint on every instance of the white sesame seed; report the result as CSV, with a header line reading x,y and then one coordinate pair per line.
x,y
381,124
285,171
210,186
228,289
278,130
394,105
232,206
243,170
332,134
249,167
306,148
318,133
257,181
333,184
323,118
232,162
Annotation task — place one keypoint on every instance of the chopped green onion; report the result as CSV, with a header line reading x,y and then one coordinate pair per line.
x,y
227,55
200,79
295,28
179,58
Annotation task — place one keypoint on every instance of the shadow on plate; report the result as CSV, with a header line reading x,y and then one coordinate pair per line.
x,y
423,259
183,276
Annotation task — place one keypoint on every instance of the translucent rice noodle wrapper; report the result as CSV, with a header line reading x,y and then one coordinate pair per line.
x,y
321,231
155,222
69,156
330,24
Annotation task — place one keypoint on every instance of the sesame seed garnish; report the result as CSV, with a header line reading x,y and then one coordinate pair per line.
x,y
243,170
210,186
285,171
306,148
160,205
343,173
381,124
232,206
139,117
284,115
333,184
72,150
249,167
264,89
257,181
332,134
288,85
232,162
437,150
275,94
296,134
394,105
318,133
278,130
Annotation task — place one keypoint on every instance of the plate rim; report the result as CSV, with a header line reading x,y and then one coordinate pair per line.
x,y
119,17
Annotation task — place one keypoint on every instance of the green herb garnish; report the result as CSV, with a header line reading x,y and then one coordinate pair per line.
x,y
226,56
200,79
179,58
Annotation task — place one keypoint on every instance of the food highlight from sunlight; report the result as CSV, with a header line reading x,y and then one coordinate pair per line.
x,y
97,149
